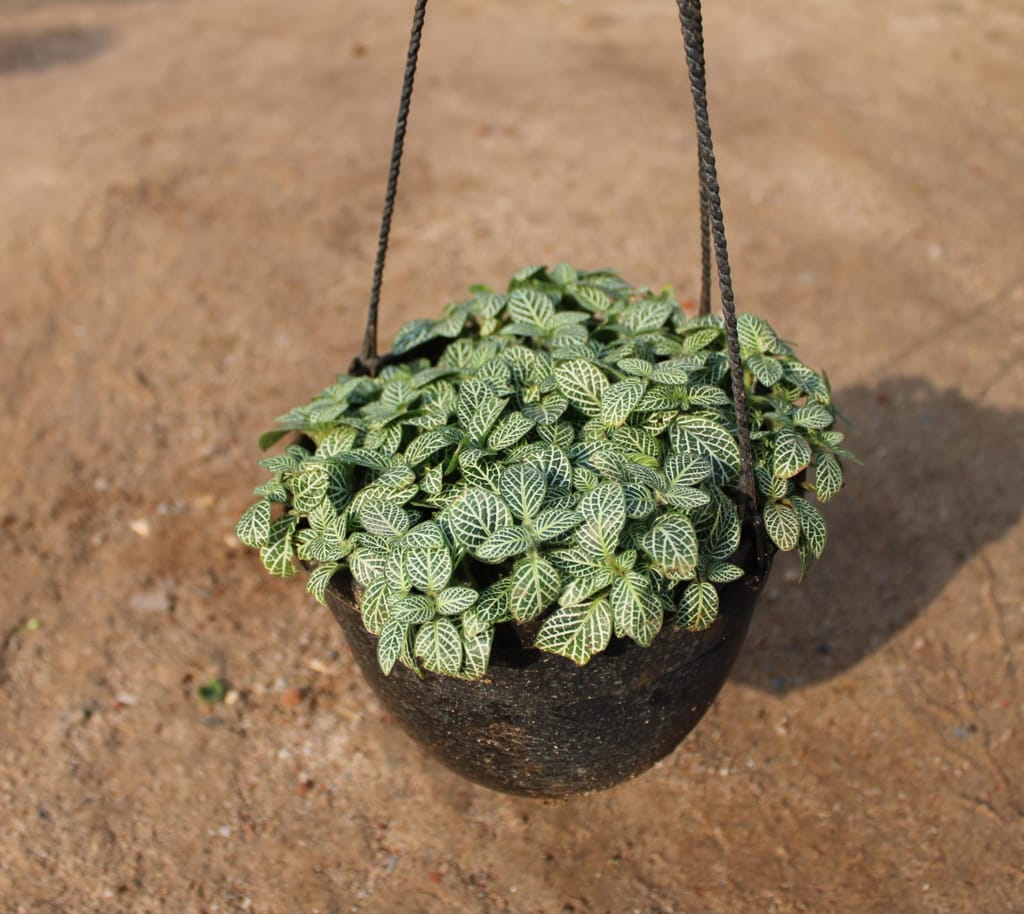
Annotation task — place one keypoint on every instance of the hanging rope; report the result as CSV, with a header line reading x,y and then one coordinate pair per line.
x,y
692,28
367,360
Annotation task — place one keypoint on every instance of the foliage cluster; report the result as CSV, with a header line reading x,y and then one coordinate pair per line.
x,y
570,459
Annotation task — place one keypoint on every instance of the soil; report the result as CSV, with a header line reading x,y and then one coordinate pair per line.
x,y
189,196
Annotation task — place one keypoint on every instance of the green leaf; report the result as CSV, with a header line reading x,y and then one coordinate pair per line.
x,y
554,464
646,315
276,554
430,442
552,523
639,368
383,519
253,526
724,573
605,508
439,646
533,586
639,501
269,439
767,370
510,430
476,653
792,454
492,607
686,497
590,298
636,610
523,488
813,416
475,516
390,644
503,544
618,400
577,632
374,605
707,395
755,334
453,601
698,606
427,535
563,274
531,307
413,609
782,524
673,547
583,383
319,578
699,434
812,525
411,335
479,408
828,477
584,586
428,569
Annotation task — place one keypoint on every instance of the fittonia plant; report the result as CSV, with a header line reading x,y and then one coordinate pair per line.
x,y
570,459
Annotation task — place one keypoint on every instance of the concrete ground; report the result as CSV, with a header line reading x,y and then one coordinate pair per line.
x,y
189,194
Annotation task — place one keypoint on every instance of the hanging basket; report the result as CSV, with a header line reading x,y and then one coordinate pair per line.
x,y
538,725
529,721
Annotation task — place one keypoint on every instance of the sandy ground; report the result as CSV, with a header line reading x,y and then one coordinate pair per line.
x,y
189,194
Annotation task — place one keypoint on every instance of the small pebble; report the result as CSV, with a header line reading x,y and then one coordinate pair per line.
x,y
292,697
232,697
140,527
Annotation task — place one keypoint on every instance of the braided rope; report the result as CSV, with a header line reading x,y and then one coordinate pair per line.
x,y
692,28
368,360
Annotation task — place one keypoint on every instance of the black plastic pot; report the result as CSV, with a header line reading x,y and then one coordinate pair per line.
x,y
538,725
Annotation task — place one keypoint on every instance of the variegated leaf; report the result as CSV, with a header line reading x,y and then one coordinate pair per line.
x,y
319,578
636,609
509,430
828,477
439,646
698,606
672,546
276,553
812,524
413,609
782,524
390,644
577,632
253,528
698,434
476,515
581,588
619,399
605,508
534,585
583,383
383,519
724,573
503,544
430,442
374,603
551,523
453,601
479,408
522,486
792,454
766,369
531,307
428,569
476,650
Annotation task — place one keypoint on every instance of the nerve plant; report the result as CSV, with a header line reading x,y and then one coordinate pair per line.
x,y
569,459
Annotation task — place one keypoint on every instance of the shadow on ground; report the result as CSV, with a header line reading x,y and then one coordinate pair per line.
x,y
936,486
44,48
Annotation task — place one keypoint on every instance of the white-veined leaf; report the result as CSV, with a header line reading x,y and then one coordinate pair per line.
x,y
792,454
319,578
687,469
639,501
671,544
411,335
276,554
430,442
453,601
413,609
383,519
476,515
529,306
618,400
427,535
828,477
479,408
533,586
577,632
390,644
428,569
755,334
584,586
724,573
554,464
590,298
812,524
699,434
782,524
605,507
767,370
636,609
503,544
374,605
492,607
649,314
639,368
510,430
476,650
523,488
439,646
564,274
698,606
309,487
552,523
673,373
583,383
707,395
253,528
